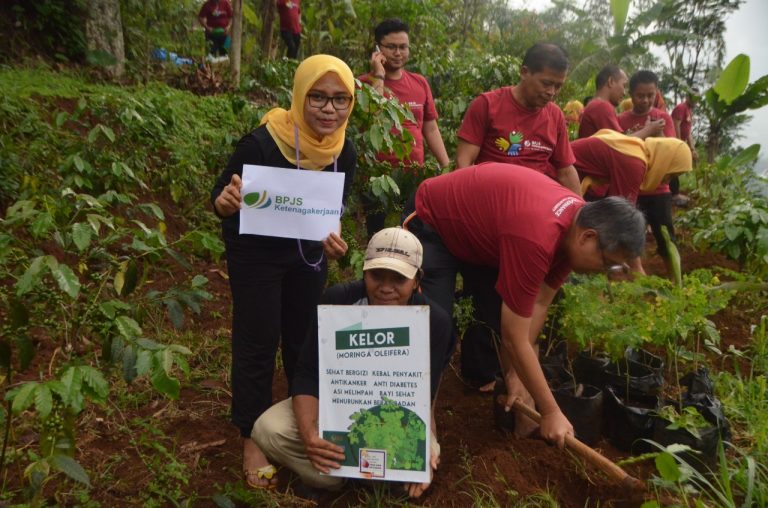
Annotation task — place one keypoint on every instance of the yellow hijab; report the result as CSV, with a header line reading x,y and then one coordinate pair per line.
x,y
662,156
666,156
313,153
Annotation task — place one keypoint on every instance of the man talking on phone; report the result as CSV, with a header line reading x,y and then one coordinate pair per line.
x,y
389,77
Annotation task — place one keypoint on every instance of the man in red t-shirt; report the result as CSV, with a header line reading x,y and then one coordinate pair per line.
x,y
526,233
600,112
290,25
389,77
655,204
682,116
521,125
643,89
216,17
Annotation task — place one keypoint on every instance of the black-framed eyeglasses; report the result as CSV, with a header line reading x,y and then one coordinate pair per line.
x,y
394,47
339,102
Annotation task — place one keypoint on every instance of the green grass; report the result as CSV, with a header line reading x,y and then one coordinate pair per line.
x,y
172,140
25,82
744,395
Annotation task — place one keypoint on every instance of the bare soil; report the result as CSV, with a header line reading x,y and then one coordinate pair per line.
x,y
477,459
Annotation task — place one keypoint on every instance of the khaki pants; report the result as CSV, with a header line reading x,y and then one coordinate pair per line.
x,y
278,437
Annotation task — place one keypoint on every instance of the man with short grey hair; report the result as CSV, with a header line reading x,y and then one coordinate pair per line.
x,y
519,234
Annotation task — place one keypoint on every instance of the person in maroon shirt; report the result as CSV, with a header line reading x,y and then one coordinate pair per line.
x,y
600,113
216,17
290,25
643,89
682,116
526,233
521,125
389,77
655,204
596,159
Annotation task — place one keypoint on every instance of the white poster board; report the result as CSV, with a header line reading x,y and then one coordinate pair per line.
x,y
374,368
290,203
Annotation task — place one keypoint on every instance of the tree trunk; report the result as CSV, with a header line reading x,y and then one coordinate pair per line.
x,y
713,141
267,27
237,40
104,34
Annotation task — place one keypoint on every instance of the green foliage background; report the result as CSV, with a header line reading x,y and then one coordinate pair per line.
x,y
92,170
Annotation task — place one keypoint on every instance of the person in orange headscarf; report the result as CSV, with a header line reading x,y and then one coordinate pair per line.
x,y
276,283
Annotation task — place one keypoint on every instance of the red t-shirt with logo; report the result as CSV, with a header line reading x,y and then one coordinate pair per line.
x,y
598,114
623,172
411,89
290,15
507,132
684,114
631,122
217,14
507,217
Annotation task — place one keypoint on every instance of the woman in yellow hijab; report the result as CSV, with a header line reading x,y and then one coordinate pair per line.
x,y
635,169
276,283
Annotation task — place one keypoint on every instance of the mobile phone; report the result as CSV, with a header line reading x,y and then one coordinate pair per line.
x,y
378,50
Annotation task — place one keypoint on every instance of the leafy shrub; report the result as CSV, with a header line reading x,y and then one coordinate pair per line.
x,y
731,212
612,316
740,232
79,247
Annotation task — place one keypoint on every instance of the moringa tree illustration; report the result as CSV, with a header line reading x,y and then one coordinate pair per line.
x,y
732,94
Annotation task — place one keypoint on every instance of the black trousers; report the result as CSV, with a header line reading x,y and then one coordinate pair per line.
x,y
292,42
674,185
658,212
479,358
216,43
274,294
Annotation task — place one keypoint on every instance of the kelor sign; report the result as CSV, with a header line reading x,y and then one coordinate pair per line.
x,y
375,389
380,337
290,203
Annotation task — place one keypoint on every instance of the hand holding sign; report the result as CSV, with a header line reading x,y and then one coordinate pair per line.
x,y
334,246
323,454
417,489
291,204
228,202
371,374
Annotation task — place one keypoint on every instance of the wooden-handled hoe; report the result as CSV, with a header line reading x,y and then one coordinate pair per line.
x,y
606,465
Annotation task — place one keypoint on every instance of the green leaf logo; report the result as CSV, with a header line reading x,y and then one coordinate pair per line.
x,y
257,200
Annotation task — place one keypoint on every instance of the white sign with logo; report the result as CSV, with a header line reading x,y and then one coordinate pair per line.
x,y
375,389
290,203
